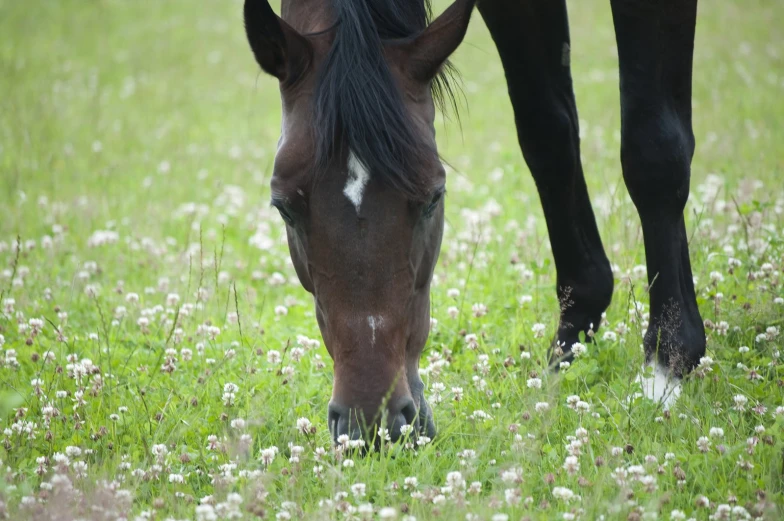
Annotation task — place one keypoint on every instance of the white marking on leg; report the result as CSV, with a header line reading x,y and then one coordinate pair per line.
x,y
357,180
661,387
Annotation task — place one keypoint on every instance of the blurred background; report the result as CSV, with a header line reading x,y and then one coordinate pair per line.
x,y
134,107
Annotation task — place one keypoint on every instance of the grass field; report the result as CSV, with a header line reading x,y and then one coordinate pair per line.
x,y
158,351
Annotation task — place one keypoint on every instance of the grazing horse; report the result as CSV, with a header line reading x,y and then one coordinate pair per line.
x,y
359,183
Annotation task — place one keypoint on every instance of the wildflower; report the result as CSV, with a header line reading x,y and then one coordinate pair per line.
x,y
563,494
304,426
159,451
571,465
268,455
512,476
479,310
578,349
703,444
541,406
421,441
358,490
740,402
176,478
538,330
534,383
716,432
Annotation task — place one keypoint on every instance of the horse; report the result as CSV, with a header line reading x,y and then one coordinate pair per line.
x,y
359,183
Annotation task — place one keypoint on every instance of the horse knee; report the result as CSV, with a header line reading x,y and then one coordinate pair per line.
x,y
656,152
549,140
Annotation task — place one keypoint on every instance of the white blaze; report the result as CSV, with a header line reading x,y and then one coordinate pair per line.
x,y
357,180
373,322
662,386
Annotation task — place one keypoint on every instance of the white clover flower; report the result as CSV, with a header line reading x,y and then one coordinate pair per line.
x,y
571,465
538,330
563,494
479,310
578,349
358,490
304,425
534,383
268,455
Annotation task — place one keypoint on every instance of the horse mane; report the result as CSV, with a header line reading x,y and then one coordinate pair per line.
x,y
357,103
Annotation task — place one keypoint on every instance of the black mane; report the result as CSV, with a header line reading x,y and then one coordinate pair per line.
x,y
357,103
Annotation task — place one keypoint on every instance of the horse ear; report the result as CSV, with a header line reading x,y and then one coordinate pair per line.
x,y
279,49
428,51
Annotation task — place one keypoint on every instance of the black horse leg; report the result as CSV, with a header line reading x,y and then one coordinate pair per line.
x,y
655,45
532,37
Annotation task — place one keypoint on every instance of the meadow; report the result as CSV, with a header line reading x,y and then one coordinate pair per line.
x,y
161,361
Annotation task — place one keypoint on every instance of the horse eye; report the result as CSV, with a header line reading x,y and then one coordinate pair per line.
x,y
283,211
433,204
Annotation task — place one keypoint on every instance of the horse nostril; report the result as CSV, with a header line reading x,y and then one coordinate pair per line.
x,y
338,420
406,415
409,412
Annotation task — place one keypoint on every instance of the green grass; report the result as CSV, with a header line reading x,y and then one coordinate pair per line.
x,y
151,120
